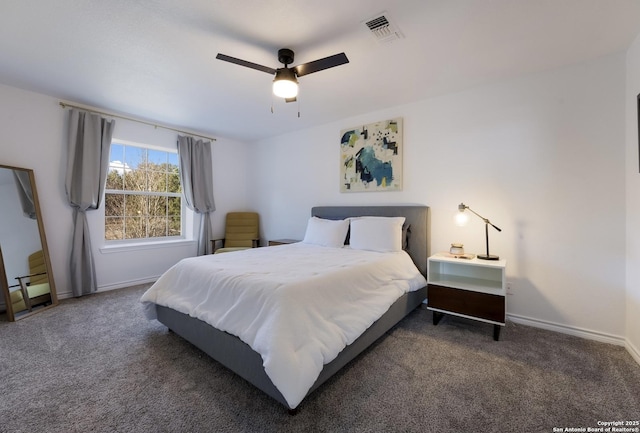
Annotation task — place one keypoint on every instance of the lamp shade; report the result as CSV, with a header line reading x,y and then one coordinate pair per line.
x,y
461,218
285,84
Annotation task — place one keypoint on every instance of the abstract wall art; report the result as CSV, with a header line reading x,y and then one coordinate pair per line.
x,y
371,157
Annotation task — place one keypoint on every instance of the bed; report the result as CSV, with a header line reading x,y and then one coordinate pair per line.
x,y
238,356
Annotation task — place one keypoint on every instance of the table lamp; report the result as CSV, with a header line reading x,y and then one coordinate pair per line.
x,y
462,218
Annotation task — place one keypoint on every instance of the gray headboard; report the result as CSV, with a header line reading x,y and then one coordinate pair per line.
x,y
416,216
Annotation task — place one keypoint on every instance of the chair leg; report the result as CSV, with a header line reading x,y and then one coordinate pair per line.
x,y
25,294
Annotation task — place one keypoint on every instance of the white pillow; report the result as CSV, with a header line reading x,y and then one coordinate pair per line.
x,y
325,232
376,233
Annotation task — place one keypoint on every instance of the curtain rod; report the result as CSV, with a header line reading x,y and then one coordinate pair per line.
x,y
66,104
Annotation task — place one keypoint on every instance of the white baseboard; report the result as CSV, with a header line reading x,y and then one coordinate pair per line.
x,y
122,285
579,332
571,330
635,353
108,287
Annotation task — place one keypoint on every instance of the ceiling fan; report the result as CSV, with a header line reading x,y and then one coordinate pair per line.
x,y
285,83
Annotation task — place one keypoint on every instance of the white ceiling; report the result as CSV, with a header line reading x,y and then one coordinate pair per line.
x,y
155,59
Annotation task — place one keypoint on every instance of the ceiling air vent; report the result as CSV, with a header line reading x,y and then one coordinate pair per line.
x,y
383,29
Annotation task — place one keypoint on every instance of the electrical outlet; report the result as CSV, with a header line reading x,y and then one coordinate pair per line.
x,y
509,288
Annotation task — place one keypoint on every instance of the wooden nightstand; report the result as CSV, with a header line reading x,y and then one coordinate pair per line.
x,y
475,289
282,242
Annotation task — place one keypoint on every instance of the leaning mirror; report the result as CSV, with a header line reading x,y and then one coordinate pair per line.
x,y
25,268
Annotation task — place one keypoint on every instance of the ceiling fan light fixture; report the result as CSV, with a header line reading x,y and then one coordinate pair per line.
x,y
285,84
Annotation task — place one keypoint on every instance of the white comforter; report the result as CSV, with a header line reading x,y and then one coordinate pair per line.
x,y
297,305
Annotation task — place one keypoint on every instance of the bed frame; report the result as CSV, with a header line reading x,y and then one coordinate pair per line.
x,y
238,356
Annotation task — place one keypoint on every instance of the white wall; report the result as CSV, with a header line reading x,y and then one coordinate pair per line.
x,y
33,134
633,202
541,156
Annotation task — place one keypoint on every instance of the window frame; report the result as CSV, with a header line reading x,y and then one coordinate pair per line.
x,y
150,241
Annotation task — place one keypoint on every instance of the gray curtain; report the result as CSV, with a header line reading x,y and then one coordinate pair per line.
x,y
25,193
196,174
87,165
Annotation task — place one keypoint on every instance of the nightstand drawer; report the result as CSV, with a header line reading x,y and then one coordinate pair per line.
x,y
469,303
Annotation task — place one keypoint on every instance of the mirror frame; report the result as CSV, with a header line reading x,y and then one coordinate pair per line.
x,y
4,283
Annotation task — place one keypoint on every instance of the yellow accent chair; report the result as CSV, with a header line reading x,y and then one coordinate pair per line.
x,y
241,232
34,288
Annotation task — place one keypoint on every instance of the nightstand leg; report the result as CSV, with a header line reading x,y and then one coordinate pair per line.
x,y
436,317
496,332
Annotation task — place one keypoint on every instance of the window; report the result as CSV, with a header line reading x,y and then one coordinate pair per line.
x,y
143,197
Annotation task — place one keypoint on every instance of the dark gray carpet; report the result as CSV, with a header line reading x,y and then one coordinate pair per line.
x,y
94,364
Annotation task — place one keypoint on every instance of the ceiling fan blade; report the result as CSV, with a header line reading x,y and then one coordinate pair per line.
x,y
319,65
251,65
